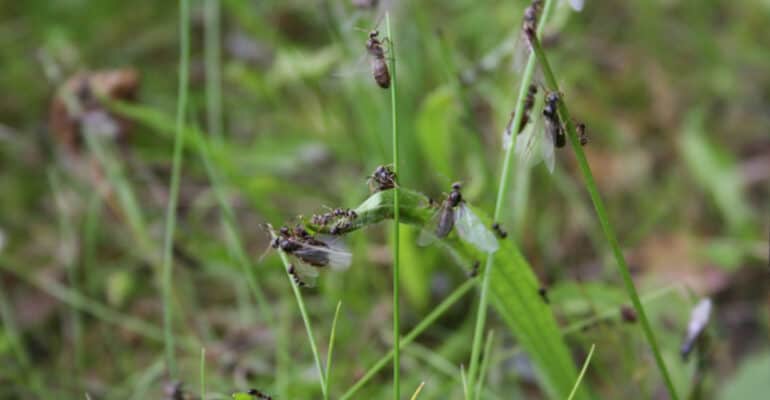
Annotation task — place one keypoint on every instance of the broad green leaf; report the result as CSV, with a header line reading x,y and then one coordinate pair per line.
x,y
514,287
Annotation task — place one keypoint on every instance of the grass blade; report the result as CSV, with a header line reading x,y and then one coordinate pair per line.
x,y
582,372
601,214
331,345
484,364
306,320
417,392
396,217
168,243
203,373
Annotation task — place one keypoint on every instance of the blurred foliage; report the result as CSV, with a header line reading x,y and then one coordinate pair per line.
x,y
675,95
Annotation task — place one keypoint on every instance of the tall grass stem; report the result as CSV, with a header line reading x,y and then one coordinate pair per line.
x,y
184,32
502,192
601,213
396,226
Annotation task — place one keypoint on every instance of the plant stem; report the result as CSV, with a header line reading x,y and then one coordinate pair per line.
x,y
203,373
168,335
424,324
502,192
306,320
394,113
601,213
330,349
582,372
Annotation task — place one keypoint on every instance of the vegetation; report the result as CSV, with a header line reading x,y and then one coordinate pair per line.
x,y
150,154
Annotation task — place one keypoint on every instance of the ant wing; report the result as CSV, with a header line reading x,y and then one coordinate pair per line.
x,y
529,140
303,274
472,230
332,256
577,5
548,147
698,320
428,233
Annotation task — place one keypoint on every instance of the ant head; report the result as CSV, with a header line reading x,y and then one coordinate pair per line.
x,y
456,186
553,97
374,33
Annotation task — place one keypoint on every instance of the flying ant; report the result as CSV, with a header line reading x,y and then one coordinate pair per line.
x,y
529,104
310,253
581,130
453,212
378,61
383,178
553,126
499,231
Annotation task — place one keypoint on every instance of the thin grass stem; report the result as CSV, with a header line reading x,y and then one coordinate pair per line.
x,y
308,325
396,229
601,213
582,372
203,373
330,349
484,364
502,192
168,334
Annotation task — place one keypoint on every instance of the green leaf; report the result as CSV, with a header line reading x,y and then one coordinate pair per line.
x,y
513,283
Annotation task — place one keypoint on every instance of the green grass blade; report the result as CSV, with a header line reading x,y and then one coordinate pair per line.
x,y
417,392
601,213
396,217
168,242
308,324
330,349
203,373
582,372
484,364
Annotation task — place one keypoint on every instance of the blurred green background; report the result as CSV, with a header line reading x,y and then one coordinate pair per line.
x,y
675,95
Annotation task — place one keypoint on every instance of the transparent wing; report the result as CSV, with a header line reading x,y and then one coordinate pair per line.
x,y
472,230
577,5
548,150
304,274
428,232
508,134
529,141
334,256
